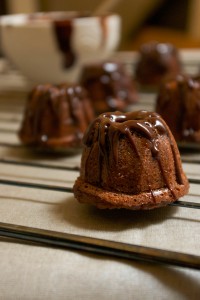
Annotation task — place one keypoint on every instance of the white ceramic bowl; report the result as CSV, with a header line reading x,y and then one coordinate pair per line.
x,y
32,44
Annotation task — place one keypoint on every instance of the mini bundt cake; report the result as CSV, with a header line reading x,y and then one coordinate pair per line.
x,y
56,117
130,160
109,86
157,62
178,102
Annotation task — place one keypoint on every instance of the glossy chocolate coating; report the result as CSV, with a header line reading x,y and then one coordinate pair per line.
x,y
110,128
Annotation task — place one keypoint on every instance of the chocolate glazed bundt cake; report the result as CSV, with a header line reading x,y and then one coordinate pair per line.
x,y
178,102
131,161
157,62
56,117
109,86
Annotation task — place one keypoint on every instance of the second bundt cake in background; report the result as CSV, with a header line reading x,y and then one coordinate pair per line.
x,y
109,86
157,62
56,117
130,160
178,102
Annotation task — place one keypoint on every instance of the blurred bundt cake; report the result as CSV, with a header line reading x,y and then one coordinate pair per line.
x,y
56,116
178,102
157,62
109,86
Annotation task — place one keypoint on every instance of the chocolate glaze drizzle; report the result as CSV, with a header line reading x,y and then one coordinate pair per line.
x,y
110,127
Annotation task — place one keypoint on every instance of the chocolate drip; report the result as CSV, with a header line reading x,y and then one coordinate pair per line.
x,y
63,30
178,172
110,127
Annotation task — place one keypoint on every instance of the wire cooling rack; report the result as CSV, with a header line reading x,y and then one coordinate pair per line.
x,y
14,156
